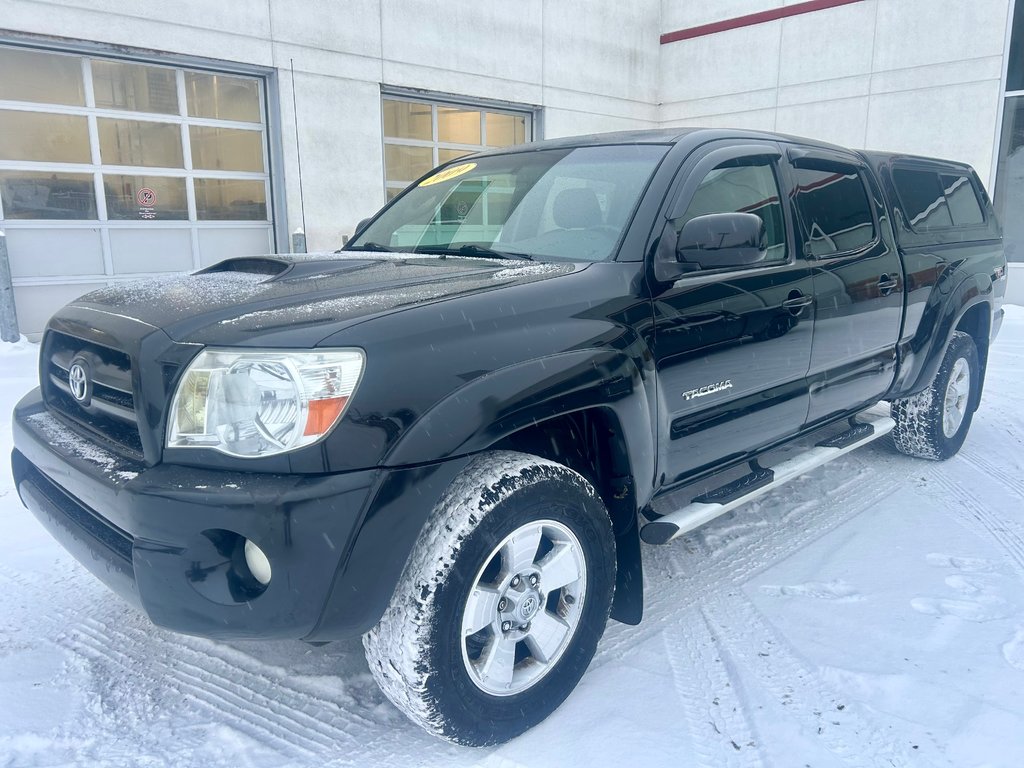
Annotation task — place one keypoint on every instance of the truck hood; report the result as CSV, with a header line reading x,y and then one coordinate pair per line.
x,y
294,301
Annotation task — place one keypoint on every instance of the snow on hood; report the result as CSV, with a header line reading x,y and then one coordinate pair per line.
x,y
330,291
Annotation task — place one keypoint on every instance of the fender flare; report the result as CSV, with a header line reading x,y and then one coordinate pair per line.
x,y
529,393
927,349
525,394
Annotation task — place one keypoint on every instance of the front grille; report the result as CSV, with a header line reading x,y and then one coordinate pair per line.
x,y
108,414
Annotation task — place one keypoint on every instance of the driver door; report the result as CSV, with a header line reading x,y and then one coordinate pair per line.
x,y
732,346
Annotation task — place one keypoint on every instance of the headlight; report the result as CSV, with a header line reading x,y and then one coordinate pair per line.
x,y
259,403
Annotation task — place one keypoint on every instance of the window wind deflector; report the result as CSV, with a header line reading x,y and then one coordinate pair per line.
x,y
819,161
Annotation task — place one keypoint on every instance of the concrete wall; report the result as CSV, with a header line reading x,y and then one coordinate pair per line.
x,y
592,66
919,76
1015,284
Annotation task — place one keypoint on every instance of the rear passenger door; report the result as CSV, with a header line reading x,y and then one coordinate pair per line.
x,y
858,280
731,346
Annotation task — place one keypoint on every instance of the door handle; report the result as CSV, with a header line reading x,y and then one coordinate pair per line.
x,y
798,302
887,285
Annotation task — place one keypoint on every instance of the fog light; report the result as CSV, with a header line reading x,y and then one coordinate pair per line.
x,y
259,564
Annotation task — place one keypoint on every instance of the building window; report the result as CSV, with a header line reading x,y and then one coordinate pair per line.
x,y
1009,191
419,135
1009,195
152,168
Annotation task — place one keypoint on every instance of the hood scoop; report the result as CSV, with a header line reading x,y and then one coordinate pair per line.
x,y
287,267
271,266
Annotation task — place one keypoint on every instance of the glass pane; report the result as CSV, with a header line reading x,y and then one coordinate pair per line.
x,y
835,210
46,195
47,78
134,86
962,201
407,120
402,163
924,203
234,199
226,149
145,197
223,97
447,155
42,137
1015,70
586,193
1009,198
742,187
505,130
458,126
134,142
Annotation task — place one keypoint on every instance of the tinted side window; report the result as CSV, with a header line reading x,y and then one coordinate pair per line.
x,y
746,185
962,200
835,209
923,198
937,201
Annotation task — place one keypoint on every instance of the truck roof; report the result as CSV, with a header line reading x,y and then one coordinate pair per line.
x,y
701,135
659,136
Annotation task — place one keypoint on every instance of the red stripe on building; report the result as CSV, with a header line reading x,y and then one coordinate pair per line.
x,y
753,18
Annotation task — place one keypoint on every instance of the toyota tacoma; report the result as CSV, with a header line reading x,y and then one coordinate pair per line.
x,y
452,436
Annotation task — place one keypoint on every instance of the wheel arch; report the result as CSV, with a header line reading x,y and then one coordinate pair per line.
x,y
967,308
588,409
592,442
976,322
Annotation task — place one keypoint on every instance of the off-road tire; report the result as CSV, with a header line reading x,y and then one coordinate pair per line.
x,y
415,652
919,418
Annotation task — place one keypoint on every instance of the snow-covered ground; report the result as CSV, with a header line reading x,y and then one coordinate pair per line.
x,y
870,614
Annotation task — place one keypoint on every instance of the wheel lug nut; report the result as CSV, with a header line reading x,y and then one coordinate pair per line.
x,y
534,580
525,627
506,626
502,604
516,580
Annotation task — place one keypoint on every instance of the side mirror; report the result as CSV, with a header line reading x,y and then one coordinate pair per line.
x,y
362,225
719,240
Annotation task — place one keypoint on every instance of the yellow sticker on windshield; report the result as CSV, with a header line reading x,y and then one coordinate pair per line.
x,y
448,173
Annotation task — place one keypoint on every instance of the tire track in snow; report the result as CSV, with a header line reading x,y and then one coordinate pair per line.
x,y
693,573
157,670
271,704
799,692
234,689
720,733
679,574
985,465
975,515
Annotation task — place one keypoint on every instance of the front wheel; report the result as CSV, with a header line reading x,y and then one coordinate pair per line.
x,y
501,605
933,424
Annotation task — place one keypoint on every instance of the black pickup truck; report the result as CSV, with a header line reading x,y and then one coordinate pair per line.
x,y
451,436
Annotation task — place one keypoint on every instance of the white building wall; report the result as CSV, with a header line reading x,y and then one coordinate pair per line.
x,y
920,76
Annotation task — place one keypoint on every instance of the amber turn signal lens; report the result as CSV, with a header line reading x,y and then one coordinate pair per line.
x,y
323,414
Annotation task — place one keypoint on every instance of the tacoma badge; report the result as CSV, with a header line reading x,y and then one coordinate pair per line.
x,y
710,389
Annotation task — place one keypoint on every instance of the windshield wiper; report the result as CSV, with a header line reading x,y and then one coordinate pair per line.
x,y
471,249
367,247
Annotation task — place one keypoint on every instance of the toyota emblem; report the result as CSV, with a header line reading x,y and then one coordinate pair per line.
x,y
78,381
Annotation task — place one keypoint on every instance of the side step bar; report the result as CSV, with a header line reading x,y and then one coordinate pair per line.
x,y
761,480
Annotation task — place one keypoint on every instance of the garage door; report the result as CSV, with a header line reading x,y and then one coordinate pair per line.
x,y
114,170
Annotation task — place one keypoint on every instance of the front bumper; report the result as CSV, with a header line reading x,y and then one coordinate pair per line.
x,y
167,538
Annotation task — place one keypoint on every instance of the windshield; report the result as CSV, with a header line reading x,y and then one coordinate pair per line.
x,y
553,204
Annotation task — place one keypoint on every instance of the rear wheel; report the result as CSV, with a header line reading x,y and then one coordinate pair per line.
x,y
933,424
501,605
